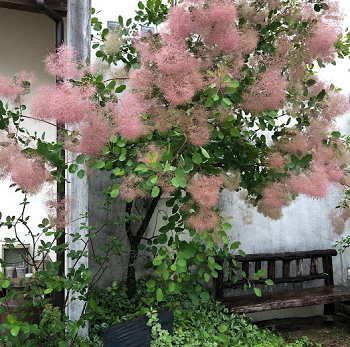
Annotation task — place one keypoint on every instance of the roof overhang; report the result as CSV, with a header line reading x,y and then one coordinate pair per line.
x,y
60,6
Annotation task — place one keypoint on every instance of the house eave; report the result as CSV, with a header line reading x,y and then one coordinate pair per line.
x,y
60,6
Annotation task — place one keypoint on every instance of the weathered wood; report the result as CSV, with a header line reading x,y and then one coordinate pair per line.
x,y
59,6
287,299
314,266
328,294
245,268
307,278
328,269
271,269
287,255
286,269
300,270
257,265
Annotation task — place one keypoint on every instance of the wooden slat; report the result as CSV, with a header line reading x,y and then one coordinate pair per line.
x,y
245,268
314,266
287,255
240,283
271,269
328,268
257,265
29,5
287,299
300,270
286,269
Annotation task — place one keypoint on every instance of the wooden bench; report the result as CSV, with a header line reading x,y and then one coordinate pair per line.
x,y
283,269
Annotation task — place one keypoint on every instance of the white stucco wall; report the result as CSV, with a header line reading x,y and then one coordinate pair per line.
x,y
25,39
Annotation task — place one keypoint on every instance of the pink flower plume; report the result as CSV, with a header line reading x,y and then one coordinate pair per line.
x,y
205,190
63,103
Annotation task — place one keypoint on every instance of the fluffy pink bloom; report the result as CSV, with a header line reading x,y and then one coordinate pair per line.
x,y
275,196
205,190
276,161
144,46
63,103
221,14
197,128
6,148
63,64
89,143
142,82
321,42
29,173
226,39
128,118
180,21
315,184
205,220
297,144
337,105
180,88
173,57
268,93
248,41
216,25
11,87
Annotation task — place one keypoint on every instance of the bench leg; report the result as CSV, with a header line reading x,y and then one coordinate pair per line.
x,y
329,309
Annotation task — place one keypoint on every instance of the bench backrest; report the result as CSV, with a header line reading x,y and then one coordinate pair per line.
x,y
278,267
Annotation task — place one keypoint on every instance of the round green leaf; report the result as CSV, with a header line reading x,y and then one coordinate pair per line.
x,y
15,330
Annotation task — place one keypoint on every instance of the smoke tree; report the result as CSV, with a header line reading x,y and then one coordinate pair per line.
x,y
224,96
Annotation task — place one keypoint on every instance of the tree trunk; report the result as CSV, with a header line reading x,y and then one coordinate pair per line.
x,y
135,241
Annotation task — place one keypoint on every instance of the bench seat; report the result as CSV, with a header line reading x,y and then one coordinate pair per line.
x,y
287,299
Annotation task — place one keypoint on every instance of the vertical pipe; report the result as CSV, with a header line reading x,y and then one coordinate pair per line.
x,y
58,297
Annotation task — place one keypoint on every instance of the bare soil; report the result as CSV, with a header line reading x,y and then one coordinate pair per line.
x,y
329,335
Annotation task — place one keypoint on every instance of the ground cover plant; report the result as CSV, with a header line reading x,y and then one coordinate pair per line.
x,y
207,324
223,95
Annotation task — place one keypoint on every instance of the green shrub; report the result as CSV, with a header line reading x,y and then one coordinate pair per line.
x,y
208,324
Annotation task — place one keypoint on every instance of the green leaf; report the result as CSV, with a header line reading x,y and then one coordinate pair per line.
x,y
235,132
234,84
209,102
261,272
5,284
81,174
141,168
157,261
257,292
48,291
171,287
206,277
155,191
226,226
73,168
205,296
115,192
205,153
151,284
196,158
100,164
11,319
15,330
269,282
159,295
120,89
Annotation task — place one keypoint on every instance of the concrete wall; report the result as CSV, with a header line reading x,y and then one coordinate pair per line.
x,y
25,39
